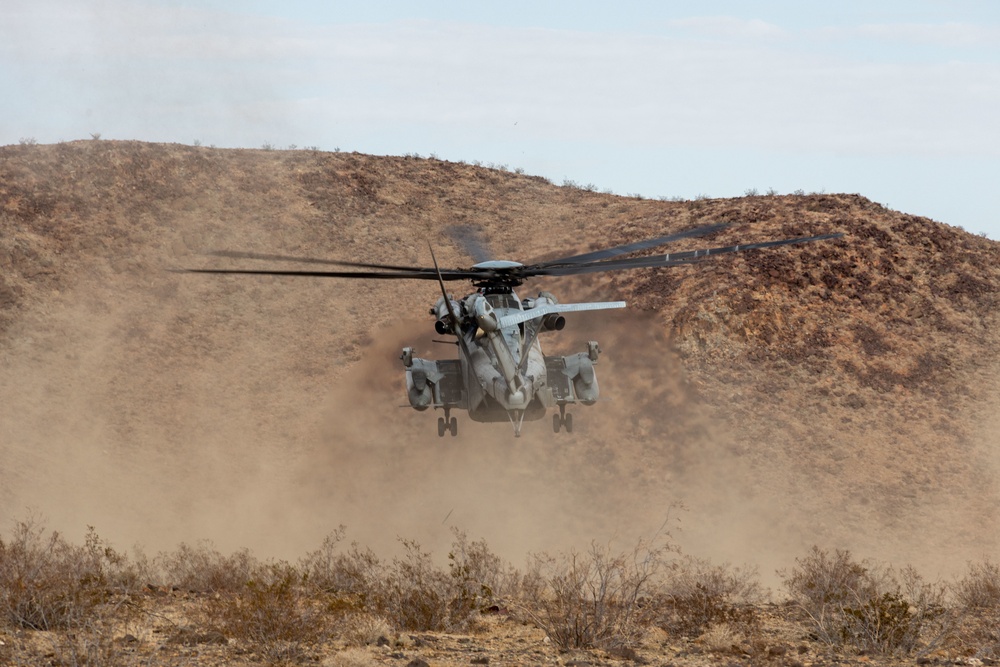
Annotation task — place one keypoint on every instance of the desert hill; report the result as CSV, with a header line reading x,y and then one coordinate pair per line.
x,y
841,393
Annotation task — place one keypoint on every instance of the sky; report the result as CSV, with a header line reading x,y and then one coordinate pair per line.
x,y
896,100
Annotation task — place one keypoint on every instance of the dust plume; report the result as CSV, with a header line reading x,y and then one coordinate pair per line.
x,y
227,449
835,395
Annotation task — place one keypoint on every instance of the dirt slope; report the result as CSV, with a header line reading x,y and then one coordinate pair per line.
x,y
841,393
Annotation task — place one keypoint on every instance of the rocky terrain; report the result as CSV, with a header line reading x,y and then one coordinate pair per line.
x,y
841,393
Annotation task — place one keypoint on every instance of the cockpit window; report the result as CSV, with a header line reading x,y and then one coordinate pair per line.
x,y
503,301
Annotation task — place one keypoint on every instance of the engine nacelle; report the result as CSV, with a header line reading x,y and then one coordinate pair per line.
x,y
423,378
418,389
440,310
486,318
580,369
585,383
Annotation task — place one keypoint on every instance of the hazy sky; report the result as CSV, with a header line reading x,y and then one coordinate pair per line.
x,y
896,100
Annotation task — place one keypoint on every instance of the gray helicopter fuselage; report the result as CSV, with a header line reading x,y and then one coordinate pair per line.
x,y
506,370
505,376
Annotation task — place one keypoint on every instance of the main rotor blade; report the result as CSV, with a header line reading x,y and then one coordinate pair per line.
x,y
635,247
670,259
235,254
447,274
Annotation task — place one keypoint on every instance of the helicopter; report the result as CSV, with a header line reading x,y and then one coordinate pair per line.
x,y
501,373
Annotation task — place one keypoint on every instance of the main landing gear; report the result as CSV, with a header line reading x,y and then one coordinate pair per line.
x,y
447,423
562,420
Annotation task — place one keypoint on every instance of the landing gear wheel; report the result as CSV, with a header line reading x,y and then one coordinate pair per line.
x,y
562,420
453,427
441,427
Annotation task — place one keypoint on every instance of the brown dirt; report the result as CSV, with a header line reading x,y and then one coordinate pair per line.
x,y
842,393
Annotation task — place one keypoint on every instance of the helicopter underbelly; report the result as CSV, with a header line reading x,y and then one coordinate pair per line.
x,y
489,410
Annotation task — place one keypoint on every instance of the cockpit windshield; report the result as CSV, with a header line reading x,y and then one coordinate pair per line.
x,y
503,301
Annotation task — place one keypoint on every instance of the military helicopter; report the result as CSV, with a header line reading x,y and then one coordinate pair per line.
x,y
501,373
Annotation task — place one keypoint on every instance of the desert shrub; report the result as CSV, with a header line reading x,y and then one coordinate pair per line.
x,y
46,583
479,577
327,569
866,606
351,580
270,613
204,569
977,609
980,587
699,595
598,599
363,628
86,594
416,594
411,592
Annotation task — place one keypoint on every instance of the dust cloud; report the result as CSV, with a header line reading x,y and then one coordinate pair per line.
x,y
131,414
160,421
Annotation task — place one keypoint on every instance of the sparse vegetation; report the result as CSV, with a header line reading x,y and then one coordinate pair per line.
x,y
90,602
863,604
47,583
203,569
271,613
700,596
598,599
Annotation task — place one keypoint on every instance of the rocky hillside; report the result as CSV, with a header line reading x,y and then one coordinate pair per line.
x,y
840,393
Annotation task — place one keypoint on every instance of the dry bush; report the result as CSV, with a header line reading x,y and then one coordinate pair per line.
x,y
328,570
720,638
479,577
411,592
977,601
699,595
866,606
203,569
980,588
363,628
270,613
46,583
85,594
598,599
416,594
